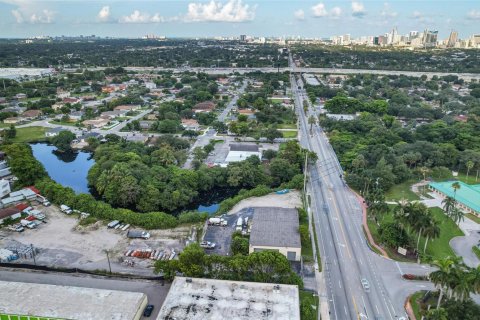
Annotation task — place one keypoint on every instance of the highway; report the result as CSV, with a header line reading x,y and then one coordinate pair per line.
x,y
346,256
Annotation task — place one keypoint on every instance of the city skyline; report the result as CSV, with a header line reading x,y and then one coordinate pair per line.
x,y
28,18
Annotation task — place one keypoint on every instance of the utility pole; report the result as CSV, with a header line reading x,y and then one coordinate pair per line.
x,y
108,259
33,254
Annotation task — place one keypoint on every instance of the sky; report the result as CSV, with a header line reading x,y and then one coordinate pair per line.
x,y
198,18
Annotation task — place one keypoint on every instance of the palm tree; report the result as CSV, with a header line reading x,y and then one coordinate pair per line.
x,y
463,286
401,212
432,230
437,314
474,277
457,215
441,277
469,166
456,186
311,122
448,205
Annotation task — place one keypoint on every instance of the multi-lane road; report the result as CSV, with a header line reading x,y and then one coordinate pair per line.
x,y
346,256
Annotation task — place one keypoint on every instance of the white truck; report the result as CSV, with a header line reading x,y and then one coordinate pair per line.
x,y
66,209
28,224
217,222
239,224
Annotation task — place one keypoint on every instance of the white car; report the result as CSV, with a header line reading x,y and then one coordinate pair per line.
x,y
365,285
207,245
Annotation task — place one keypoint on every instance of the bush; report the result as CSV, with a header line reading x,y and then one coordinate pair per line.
x,y
239,244
227,204
192,217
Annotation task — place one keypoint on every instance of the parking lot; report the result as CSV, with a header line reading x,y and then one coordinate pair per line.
x,y
61,242
222,236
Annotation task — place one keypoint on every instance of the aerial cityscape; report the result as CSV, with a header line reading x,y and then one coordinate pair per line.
x,y
239,159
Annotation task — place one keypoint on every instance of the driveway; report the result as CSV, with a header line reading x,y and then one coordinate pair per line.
x,y
463,247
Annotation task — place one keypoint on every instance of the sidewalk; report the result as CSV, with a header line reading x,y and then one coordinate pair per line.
x,y
365,226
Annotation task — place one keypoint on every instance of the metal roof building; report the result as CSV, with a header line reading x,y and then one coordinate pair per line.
x,y
203,299
467,197
65,302
240,152
276,229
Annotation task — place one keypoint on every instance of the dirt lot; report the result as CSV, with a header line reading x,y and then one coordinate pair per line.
x,y
288,200
62,243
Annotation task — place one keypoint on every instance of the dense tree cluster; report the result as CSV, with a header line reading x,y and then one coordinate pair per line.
x,y
357,57
138,52
131,175
264,266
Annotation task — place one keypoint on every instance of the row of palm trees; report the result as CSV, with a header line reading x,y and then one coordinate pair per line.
x,y
455,279
450,205
416,217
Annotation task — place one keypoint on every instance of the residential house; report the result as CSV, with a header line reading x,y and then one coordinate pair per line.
x,y
20,96
137,138
112,114
76,116
206,106
4,169
127,108
31,114
61,94
13,120
150,85
14,108
3,100
57,106
146,125
82,141
53,132
71,100
12,213
96,123
190,124
151,116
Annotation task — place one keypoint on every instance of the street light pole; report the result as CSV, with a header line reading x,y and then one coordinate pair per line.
x,y
108,259
33,254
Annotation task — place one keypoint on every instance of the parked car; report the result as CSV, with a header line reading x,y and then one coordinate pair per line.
x,y
148,310
16,227
207,245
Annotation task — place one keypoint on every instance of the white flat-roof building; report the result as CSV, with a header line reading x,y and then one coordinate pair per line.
x,y
240,152
45,300
201,299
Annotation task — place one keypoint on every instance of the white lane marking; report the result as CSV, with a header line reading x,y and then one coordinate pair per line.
x,y
398,267
340,284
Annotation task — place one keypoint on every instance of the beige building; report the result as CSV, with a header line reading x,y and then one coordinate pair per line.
x,y
276,229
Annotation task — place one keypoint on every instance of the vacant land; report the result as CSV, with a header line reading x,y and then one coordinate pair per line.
x,y
402,191
288,200
30,134
62,243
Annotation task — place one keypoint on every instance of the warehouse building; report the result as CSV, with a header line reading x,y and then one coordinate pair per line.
x,y
467,197
276,229
239,152
65,302
201,299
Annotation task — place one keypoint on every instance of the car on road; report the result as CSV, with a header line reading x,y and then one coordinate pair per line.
x,y
365,284
207,245
148,310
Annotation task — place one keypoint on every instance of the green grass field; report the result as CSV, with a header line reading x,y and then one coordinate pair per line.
x,y
289,134
287,126
30,134
402,191
309,299
19,317
476,250
436,248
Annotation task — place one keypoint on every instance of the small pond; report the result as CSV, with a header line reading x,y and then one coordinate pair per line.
x,y
70,169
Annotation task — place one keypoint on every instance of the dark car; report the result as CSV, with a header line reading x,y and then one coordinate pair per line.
x,y
148,310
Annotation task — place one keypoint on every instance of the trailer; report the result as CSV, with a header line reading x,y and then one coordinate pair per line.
x,y
138,234
217,222
239,224
113,224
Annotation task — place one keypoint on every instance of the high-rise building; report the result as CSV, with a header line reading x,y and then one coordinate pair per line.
x,y
452,39
429,38
243,37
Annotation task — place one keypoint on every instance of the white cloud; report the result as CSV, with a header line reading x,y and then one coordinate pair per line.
x,y
45,16
104,14
216,11
319,10
474,15
417,15
358,9
335,12
18,16
141,17
299,14
387,11
22,15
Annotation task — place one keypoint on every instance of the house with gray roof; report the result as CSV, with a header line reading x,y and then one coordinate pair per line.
x,y
276,229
